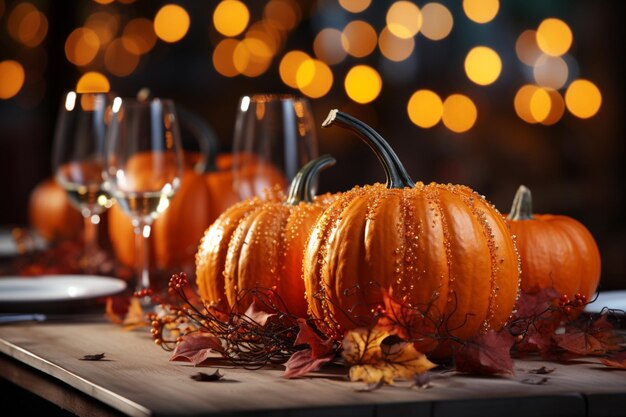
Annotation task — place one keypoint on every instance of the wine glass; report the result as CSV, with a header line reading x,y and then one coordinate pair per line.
x,y
274,137
77,162
143,167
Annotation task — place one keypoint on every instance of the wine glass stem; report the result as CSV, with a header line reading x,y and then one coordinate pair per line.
x,y
142,258
91,238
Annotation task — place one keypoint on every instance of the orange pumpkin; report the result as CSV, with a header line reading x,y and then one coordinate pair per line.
x,y
555,251
201,198
441,249
259,243
51,214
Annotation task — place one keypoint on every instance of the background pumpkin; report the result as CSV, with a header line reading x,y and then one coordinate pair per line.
x,y
51,214
260,243
442,249
555,251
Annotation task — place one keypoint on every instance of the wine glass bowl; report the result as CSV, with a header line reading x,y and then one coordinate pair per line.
x,y
77,161
274,137
143,167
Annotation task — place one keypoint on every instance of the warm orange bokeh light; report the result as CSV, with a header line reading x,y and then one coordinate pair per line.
x,y
139,34
363,84
171,23
252,57
394,48
264,32
105,25
557,107
231,17
284,14
289,65
437,21
328,47
93,82
27,25
554,37
521,102
359,38
11,78
540,105
355,6
425,108
82,46
404,19
459,113
583,99
119,60
526,47
481,11
104,1
223,57
483,65
314,78
551,71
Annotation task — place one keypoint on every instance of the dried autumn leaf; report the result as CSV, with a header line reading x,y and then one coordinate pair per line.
x,y
96,357
579,343
486,354
135,316
257,315
116,308
407,322
542,371
617,361
604,331
305,361
201,376
535,381
374,359
307,336
196,348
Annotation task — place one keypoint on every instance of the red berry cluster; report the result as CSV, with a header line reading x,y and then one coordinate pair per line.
x,y
177,281
567,305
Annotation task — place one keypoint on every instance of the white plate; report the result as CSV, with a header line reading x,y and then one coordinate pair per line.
x,y
56,288
615,300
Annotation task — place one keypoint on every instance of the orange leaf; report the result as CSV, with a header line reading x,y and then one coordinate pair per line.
x,y
617,361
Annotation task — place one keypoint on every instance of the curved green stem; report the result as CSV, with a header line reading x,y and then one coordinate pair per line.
x,y
300,189
522,208
396,175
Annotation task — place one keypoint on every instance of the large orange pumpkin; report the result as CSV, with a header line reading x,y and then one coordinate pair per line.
x,y
260,243
555,251
51,214
441,249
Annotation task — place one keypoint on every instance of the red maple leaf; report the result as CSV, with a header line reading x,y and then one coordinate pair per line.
x,y
617,360
407,322
596,338
304,361
259,316
196,348
307,336
486,354
533,304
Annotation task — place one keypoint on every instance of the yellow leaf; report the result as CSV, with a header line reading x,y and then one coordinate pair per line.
x,y
361,346
135,317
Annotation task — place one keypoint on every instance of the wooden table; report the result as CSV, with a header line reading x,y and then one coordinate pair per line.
x,y
138,380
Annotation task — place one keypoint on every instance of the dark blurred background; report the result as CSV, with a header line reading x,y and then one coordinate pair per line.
x,y
535,122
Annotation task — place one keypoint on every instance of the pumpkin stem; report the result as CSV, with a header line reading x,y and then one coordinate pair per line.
x,y
396,175
205,136
522,208
300,189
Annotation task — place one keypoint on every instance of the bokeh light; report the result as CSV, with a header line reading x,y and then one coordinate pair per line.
x,y
33,28
425,108
283,14
526,47
404,19
82,46
223,57
583,98
459,113
171,23
483,65
231,17
93,82
550,72
104,1
554,37
481,11
363,84
314,78
252,57
557,108
355,6
359,38
263,32
540,105
395,48
139,34
11,78
288,67
105,25
522,100
119,60
437,21
327,46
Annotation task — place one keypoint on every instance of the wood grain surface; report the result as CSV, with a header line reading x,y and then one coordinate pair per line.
x,y
137,379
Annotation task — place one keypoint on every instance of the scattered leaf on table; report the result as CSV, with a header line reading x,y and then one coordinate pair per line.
x,y
135,317
305,361
617,361
307,336
259,316
372,359
96,357
196,348
201,376
542,371
580,343
535,381
486,354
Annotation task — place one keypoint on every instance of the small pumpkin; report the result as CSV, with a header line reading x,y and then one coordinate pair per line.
x,y
51,214
260,243
441,249
556,251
